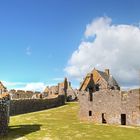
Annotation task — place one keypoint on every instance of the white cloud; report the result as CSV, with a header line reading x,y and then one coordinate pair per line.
x,y
28,51
33,86
116,47
10,84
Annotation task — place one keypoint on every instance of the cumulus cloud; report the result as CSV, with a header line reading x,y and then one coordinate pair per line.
x,y
33,86
116,47
10,84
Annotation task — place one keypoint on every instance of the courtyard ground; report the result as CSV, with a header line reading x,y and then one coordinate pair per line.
x,y
62,123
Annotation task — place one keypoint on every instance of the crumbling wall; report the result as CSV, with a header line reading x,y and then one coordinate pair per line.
x,y
63,88
130,105
4,114
71,94
109,105
21,94
31,105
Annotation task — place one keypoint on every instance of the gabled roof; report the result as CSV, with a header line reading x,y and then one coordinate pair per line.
x,y
109,79
85,82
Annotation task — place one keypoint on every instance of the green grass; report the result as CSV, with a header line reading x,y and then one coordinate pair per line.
x,y
62,123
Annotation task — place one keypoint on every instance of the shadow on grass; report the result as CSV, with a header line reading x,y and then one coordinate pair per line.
x,y
18,131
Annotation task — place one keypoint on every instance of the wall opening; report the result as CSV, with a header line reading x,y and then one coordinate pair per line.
x,y
123,119
90,94
103,118
97,87
90,97
17,95
90,113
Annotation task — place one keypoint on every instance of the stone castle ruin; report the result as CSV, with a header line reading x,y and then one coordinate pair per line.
x,y
102,101
99,95
20,102
63,88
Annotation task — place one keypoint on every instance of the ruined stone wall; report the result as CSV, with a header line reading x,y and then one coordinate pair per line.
x,y
130,105
109,105
21,94
4,115
61,88
71,94
31,105
53,90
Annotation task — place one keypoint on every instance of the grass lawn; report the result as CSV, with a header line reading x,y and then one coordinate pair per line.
x,y
62,124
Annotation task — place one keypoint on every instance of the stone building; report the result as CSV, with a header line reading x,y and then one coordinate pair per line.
x,y
51,92
101,100
111,107
98,80
63,88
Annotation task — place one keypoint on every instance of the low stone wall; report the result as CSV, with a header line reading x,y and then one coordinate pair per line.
x,y
31,105
4,114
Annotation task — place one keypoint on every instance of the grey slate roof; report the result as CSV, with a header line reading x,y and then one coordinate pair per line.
x,y
108,78
104,75
112,81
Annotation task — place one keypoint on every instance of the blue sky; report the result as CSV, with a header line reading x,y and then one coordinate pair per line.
x,y
38,37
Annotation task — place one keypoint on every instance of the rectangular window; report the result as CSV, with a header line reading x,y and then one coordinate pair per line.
x,y
90,94
90,113
90,97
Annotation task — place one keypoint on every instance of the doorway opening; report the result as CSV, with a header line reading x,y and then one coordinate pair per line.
x,y
123,119
103,118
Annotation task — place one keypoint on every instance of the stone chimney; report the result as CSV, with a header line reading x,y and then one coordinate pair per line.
x,y
65,83
107,71
65,88
69,84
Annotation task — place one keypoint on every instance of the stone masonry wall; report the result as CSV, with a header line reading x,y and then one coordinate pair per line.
x,y
110,105
4,115
31,105
21,94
